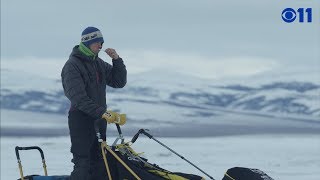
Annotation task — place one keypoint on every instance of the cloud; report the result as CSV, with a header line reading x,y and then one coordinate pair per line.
x,y
233,69
141,61
197,65
42,67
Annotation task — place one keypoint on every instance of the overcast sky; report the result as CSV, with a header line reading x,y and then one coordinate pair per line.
x,y
171,33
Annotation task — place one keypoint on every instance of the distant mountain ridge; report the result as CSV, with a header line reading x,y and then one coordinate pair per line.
x,y
191,94
296,86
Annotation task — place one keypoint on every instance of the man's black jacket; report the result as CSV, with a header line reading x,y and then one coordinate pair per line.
x,y
84,81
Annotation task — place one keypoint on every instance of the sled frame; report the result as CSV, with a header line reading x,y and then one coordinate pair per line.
x,y
18,148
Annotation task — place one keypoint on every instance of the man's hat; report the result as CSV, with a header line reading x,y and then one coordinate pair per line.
x,y
91,35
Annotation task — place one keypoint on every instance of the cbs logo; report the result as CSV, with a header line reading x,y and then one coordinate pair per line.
x,y
289,15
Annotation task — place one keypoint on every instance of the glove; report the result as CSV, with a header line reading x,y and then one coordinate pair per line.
x,y
113,117
112,53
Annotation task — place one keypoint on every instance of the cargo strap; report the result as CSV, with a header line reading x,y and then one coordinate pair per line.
x,y
105,146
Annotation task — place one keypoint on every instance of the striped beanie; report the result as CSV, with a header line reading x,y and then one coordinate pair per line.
x,y
91,35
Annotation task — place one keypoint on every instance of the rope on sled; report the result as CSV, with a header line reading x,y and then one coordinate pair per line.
x,y
104,145
104,154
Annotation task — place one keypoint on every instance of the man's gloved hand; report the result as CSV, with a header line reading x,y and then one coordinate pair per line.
x,y
112,53
113,117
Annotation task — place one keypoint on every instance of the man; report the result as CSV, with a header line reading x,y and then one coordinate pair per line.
x,y
84,80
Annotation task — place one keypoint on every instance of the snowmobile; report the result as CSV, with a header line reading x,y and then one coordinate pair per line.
x,y
123,163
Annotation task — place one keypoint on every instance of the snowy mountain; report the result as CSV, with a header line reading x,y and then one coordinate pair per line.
x,y
195,96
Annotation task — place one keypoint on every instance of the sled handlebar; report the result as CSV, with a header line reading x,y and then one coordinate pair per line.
x,y
28,148
143,131
17,149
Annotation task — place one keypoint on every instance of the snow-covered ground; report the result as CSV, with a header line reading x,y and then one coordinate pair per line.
x,y
283,148
283,157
